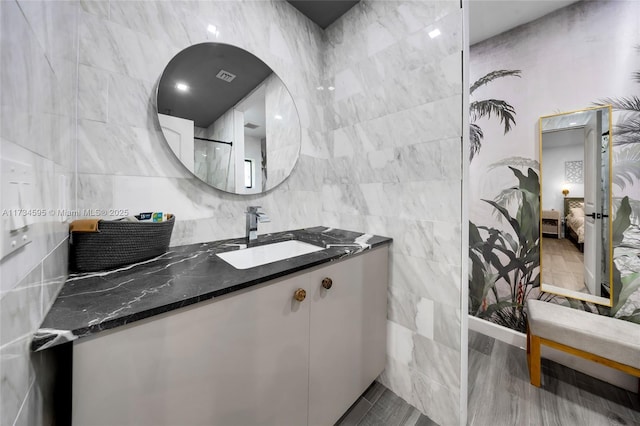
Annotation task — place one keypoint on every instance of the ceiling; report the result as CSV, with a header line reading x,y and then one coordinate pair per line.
x,y
488,18
323,12
208,97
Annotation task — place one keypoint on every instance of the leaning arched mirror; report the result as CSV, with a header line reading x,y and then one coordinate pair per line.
x,y
576,243
228,118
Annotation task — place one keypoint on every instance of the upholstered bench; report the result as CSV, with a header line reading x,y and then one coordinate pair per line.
x,y
605,340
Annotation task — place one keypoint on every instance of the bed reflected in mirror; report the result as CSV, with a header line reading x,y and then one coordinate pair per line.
x,y
575,224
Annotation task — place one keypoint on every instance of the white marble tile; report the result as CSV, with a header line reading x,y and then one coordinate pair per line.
x,y
429,83
96,7
434,121
95,191
93,95
125,150
418,162
414,15
160,20
314,144
278,45
307,175
429,279
346,198
45,231
432,241
34,98
402,308
116,48
448,327
435,200
397,376
312,114
43,43
16,376
160,194
437,362
20,307
45,19
424,320
399,343
352,222
54,274
438,402
31,412
346,84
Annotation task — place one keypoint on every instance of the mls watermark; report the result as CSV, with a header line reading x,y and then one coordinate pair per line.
x,y
65,212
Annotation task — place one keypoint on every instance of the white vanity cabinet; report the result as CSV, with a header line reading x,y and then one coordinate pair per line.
x,y
347,333
253,357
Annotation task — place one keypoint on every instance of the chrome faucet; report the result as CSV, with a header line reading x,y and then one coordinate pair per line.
x,y
253,217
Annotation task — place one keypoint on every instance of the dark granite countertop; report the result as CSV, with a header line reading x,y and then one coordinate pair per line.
x,y
92,302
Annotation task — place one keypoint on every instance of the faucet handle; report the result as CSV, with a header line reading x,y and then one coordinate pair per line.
x,y
262,217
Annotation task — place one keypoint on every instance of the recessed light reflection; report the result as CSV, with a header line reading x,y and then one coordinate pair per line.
x,y
320,88
213,30
435,33
331,88
182,87
277,117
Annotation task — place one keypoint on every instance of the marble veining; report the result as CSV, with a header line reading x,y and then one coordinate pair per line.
x,y
92,302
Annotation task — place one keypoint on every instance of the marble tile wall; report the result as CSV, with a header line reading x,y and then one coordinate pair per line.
x,y
38,127
123,160
394,134
380,153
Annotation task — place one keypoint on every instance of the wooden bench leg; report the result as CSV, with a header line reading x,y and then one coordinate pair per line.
x,y
533,347
528,349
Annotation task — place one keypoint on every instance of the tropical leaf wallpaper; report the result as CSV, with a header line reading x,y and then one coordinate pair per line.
x,y
557,70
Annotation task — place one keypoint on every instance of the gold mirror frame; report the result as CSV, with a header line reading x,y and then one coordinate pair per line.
x,y
571,293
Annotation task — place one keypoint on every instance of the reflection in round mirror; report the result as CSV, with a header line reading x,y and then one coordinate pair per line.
x,y
228,118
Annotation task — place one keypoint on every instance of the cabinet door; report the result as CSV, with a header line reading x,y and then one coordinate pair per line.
x,y
241,360
347,332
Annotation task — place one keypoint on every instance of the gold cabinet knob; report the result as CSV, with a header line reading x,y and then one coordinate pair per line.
x,y
300,294
327,283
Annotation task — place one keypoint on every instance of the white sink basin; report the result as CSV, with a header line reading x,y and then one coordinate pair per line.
x,y
261,255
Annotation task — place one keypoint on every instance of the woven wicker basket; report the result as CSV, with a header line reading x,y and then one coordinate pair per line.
x,y
118,243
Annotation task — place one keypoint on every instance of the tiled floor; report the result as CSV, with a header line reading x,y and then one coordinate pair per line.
x,y
378,406
500,392
500,395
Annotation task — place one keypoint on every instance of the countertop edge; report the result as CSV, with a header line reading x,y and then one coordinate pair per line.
x,y
45,338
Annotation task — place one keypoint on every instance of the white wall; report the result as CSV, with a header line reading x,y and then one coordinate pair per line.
x,y
179,135
253,151
570,59
553,176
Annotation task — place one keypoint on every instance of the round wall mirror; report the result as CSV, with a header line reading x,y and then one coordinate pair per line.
x,y
228,118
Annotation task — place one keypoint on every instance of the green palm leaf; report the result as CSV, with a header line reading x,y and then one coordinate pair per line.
x,y
627,132
475,137
625,167
516,162
492,76
500,109
631,103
